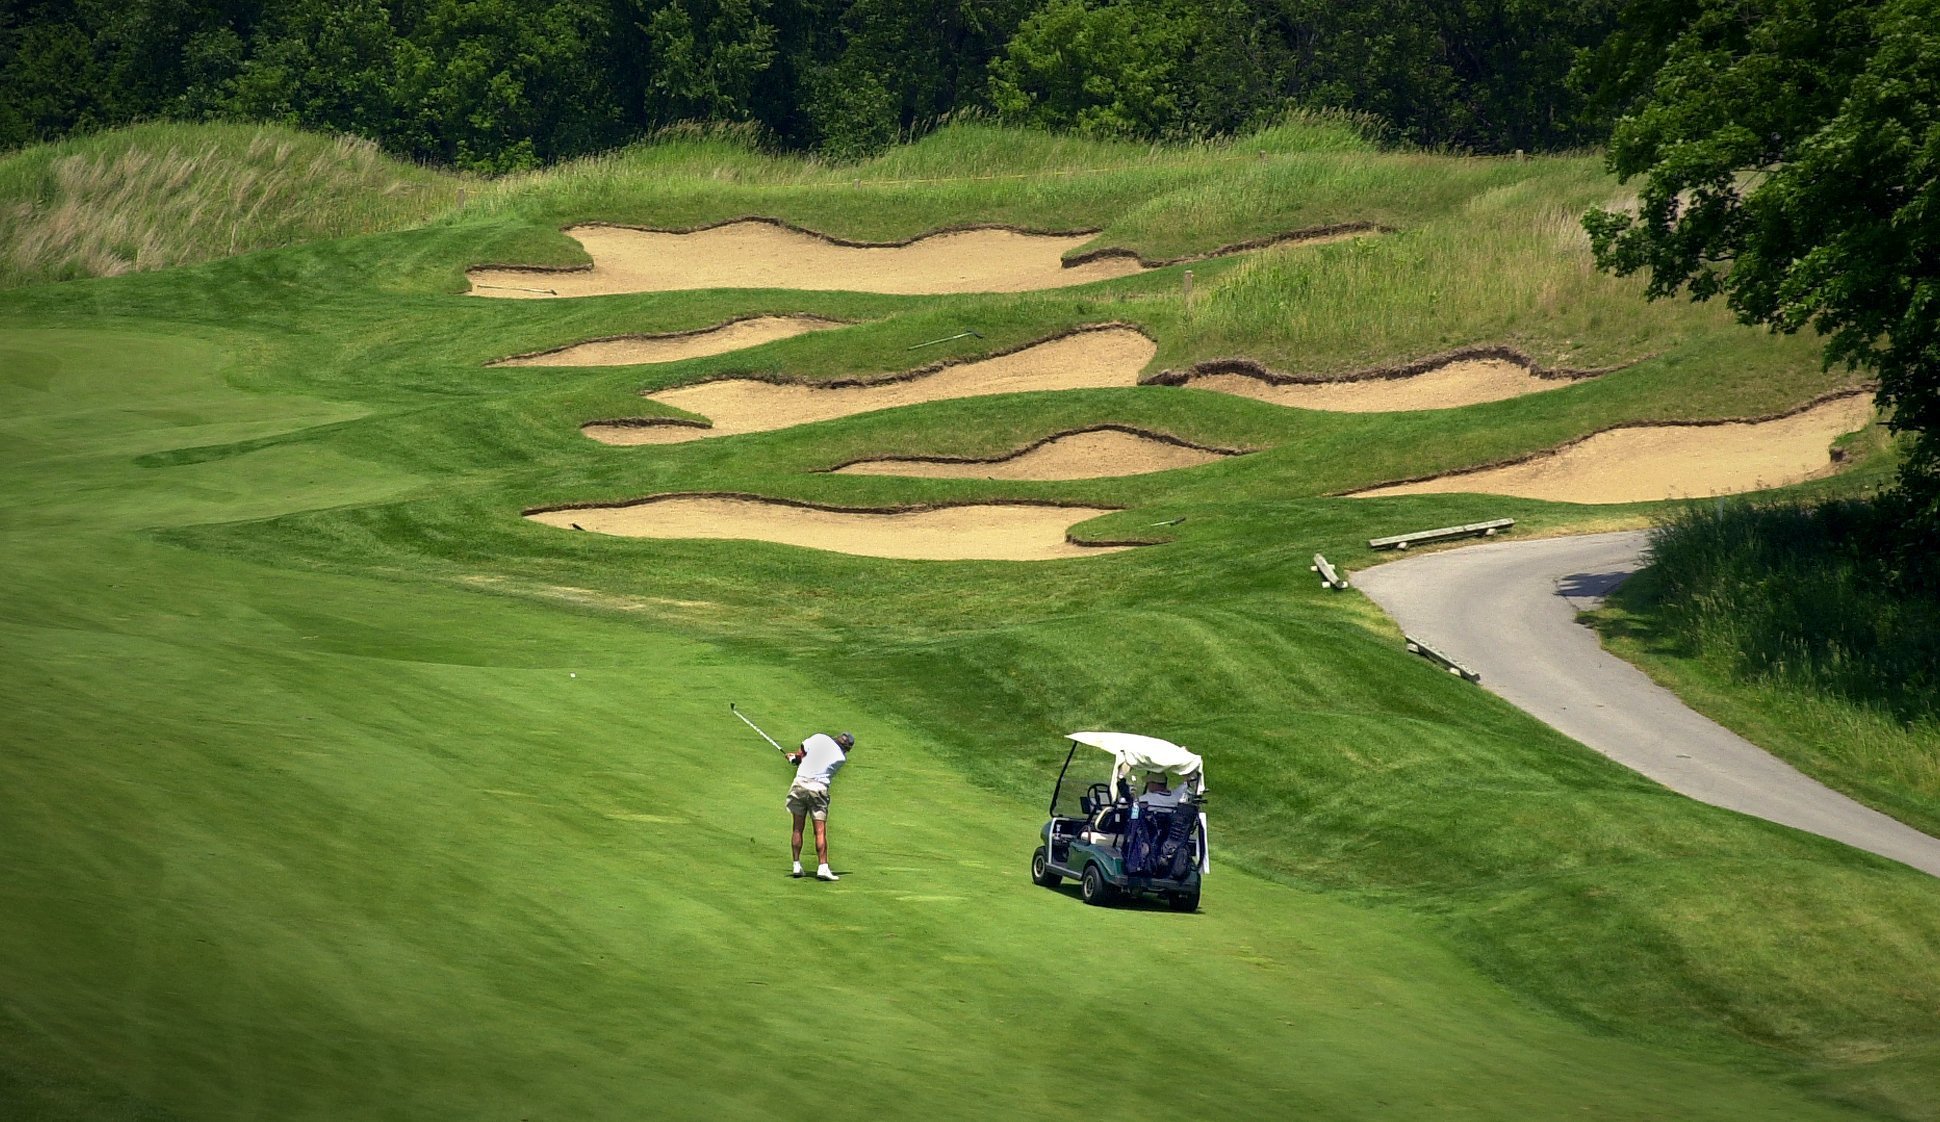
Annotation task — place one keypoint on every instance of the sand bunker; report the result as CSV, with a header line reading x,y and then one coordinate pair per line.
x,y
755,254
1448,385
1083,360
760,253
985,532
1649,462
636,350
1091,454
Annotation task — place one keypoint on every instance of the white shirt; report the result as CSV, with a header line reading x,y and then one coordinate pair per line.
x,y
822,757
1163,799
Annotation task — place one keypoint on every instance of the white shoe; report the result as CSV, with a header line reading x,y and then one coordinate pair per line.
x,y
825,873
798,870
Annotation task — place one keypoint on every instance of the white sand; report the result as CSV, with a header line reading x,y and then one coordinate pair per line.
x,y
989,532
763,255
1453,384
1098,454
636,350
1088,359
1650,462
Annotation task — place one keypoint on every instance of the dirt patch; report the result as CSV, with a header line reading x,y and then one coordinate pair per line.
x,y
1647,462
1466,377
1108,450
764,253
1087,359
980,532
638,350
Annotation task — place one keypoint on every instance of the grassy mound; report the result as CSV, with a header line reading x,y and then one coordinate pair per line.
x,y
310,816
159,195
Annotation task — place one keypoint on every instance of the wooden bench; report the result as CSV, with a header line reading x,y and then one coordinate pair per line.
x,y
1402,541
1328,577
1416,646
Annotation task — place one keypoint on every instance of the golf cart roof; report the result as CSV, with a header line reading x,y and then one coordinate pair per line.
x,y
1134,753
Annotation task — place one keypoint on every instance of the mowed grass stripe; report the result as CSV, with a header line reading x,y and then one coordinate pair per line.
x,y
329,874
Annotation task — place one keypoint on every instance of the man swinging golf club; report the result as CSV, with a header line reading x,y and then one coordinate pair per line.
x,y
819,758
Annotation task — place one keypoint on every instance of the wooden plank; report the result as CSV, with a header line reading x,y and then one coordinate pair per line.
x,y
1416,646
1328,577
1402,541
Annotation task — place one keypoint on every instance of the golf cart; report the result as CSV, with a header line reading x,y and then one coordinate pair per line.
x,y
1119,841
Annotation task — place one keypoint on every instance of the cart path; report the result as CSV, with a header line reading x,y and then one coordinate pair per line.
x,y
1508,611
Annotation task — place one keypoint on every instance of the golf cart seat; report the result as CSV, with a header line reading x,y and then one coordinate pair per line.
x,y
1107,823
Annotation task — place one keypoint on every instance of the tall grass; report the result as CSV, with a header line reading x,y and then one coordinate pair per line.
x,y
160,195
1505,261
1806,595
967,151
1161,199
1833,644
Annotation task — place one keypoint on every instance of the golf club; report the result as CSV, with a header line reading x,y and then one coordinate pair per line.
x,y
756,728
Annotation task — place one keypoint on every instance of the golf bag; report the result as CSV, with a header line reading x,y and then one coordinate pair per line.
x,y
1144,832
1158,843
1175,857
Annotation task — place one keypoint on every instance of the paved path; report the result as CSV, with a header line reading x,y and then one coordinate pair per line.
x,y
1508,611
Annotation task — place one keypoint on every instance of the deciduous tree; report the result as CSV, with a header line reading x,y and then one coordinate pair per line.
x,y
1789,158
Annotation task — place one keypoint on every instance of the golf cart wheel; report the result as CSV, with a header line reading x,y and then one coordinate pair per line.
x,y
1183,901
1093,887
1041,873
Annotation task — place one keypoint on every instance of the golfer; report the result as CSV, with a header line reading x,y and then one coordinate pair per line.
x,y
1159,794
820,757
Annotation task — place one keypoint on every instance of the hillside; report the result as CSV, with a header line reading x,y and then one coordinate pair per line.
x,y
160,195
341,788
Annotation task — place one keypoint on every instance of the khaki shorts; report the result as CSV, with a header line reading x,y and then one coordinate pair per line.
x,y
812,801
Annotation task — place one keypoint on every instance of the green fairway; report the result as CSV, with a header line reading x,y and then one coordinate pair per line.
x,y
342,870
332,788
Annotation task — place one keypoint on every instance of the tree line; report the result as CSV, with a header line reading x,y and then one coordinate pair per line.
x,y
493,85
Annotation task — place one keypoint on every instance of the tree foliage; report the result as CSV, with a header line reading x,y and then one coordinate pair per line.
x,y
1789,155
1488,74
707,57
1110,70
496,84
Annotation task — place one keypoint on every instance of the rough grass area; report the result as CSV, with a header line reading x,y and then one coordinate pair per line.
x,y
1793,624
1483,252
306,814
160,195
